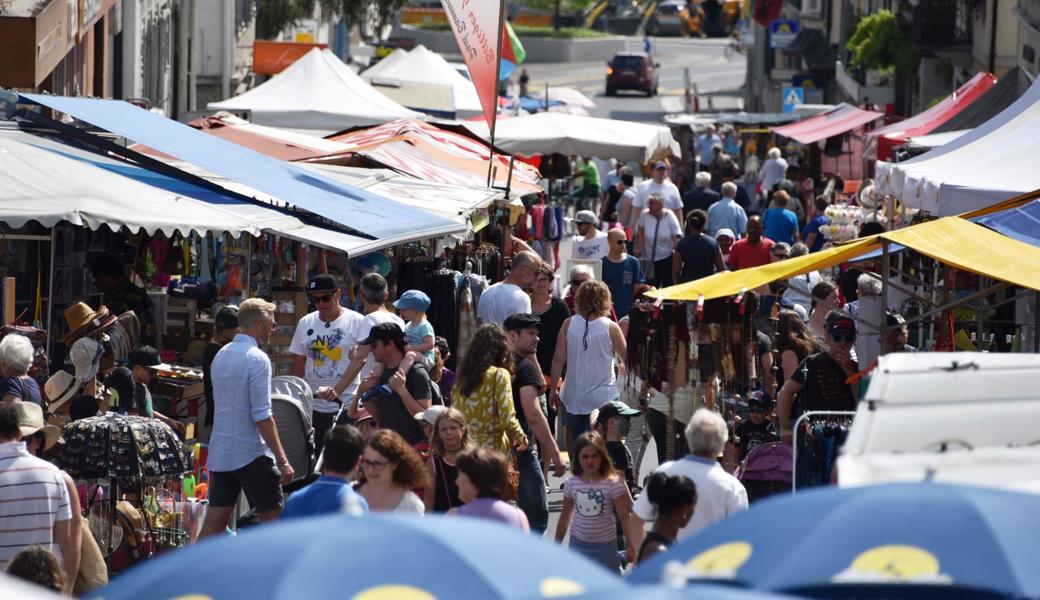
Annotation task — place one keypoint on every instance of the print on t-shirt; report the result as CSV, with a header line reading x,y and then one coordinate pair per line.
x,y
589,503
325,351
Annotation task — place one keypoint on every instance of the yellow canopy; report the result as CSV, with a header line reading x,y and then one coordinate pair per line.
x,y
950,240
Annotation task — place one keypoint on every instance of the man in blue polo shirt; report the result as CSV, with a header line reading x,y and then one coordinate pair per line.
x,y
331,493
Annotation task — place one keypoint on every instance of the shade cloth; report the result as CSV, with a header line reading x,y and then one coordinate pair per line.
x,y
318,92
837,121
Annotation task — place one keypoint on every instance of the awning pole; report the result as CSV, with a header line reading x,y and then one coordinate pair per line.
x,y
50,294
498,69
886,268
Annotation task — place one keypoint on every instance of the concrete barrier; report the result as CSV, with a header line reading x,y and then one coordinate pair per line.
x,y
543,50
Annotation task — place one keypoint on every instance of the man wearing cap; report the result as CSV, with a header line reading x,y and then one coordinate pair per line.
x,y
35,506
592,244
612,422
225,325
373,293
658,233
898,333
507,297
321,348
245,452
823,376
396,397
528,385
130,386
663,187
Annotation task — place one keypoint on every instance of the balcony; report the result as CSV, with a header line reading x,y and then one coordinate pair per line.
x,y
864,86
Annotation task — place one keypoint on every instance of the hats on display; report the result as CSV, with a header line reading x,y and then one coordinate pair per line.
x,y
83,320
86,358
384,332
521,321
30,421
586,216
614,408
725,232
322,283
60,388
413,300
430,415
146,356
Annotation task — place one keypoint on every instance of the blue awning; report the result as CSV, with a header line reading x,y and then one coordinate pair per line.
x,y
1022,223
361,211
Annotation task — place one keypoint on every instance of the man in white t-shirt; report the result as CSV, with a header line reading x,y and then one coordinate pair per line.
x,y
719,494
507,297
662,186
656,236
373,293
593,244
322,345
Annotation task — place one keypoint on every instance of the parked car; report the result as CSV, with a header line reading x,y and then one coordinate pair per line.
x,y
671,17
632,71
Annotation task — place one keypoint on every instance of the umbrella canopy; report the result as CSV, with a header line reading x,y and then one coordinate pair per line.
x,y
114,445
12,588
376,557
549,132
898,540
700,591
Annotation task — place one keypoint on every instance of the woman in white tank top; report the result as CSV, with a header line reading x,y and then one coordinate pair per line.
x,y
588,344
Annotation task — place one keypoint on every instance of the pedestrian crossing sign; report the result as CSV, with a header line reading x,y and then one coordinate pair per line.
x,y
792,97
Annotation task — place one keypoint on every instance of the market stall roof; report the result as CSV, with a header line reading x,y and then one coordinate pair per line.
x,y
881,140
316,92
951,240
700,120
362,211
980,168
837,121
385,63
431,153
1021,223
546,133
1008,88
935,140
423,66
98,191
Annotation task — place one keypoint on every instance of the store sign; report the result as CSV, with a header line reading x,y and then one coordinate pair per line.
x,y
782,32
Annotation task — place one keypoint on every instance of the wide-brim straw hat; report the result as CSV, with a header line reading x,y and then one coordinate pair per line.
x,y
30,421
83,320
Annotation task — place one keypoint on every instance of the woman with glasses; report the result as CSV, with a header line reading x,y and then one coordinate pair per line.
x,y
587,346
390,470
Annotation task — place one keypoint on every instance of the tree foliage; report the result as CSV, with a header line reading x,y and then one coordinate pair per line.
x,y
566,6
274,16
878,42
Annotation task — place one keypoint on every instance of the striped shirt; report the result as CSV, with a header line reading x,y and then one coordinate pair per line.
x,y
33,497
594,508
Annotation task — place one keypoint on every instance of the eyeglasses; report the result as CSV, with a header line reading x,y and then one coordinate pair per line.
x,y
760,409
375,465
849,337
325,298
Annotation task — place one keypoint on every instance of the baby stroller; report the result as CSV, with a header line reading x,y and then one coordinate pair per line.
x,y
766,470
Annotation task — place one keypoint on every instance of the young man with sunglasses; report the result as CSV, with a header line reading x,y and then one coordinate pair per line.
x,y
823,377
322,345
621,271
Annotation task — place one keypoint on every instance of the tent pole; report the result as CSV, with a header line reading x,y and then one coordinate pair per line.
x,y
886,269
1036,321
50,293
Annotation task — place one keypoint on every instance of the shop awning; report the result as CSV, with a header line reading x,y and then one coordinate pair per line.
x,y
951,240
370,214
1008,88
837,121
882,140
1022,223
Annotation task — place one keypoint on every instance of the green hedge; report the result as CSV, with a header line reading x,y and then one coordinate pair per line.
x,y
567,33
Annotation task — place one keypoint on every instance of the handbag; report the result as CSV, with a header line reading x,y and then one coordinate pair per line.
x,y
513,474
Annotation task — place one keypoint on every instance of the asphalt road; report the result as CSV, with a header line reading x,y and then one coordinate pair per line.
x,y
714,66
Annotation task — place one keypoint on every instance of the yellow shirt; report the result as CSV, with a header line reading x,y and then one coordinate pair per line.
x,y
489,412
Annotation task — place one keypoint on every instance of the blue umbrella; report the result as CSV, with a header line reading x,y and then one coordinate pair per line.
x,y
378,557
690,592
924,539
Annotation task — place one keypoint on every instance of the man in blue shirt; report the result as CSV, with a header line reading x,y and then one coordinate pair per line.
x,y
244,451
704,147
781,224
621,271
726,213
332,493
812,235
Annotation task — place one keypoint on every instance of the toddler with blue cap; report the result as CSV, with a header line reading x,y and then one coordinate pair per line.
x,y
419,335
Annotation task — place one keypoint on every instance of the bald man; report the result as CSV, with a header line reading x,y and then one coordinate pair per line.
x,y
508,297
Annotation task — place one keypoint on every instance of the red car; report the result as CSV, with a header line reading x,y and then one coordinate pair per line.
x,y
632,71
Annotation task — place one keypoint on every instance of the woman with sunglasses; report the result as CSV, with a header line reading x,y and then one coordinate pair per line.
x,y
390,470
822,377
587,346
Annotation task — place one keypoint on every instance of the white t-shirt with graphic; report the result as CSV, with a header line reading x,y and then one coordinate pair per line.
x,y
327,347
593,249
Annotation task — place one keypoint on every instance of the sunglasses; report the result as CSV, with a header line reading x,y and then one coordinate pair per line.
x,y
619,242
325,298
760,409
577,282
848,337
779,255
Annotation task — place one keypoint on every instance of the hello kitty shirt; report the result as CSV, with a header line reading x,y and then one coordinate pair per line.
x,y
594,508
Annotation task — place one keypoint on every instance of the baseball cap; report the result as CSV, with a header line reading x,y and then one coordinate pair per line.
x,y
759,399
614,408
322,283
146,356
586,216
430,415
660,165
384,332
839,323
227,318
413,300
521,321
894,319
725,232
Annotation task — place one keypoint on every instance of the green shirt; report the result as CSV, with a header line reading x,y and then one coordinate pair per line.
x,y
590,173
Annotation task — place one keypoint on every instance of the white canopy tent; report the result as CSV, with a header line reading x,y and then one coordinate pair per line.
x,y
385,63
935,140
547,132
424,67
990,163
317,92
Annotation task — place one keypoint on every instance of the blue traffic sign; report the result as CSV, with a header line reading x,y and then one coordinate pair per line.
x,y
782,32
792,97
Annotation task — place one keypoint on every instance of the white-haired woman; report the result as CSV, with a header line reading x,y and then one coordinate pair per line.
x,y
772,171
16,356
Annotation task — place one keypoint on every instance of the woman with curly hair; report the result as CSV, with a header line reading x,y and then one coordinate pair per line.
x,y
390,470
587,346
483,392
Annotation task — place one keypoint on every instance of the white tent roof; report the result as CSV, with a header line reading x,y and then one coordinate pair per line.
x,y
935,140
317,91
424,66
385,63
993,162
548,132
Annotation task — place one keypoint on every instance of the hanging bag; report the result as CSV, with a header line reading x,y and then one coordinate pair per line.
x,y
514,474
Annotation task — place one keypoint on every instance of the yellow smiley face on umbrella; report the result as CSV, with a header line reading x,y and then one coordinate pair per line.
x,y
895,563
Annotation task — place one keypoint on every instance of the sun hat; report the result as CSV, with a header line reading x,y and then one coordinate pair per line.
x,y
30,421
60,388
86,358
83,320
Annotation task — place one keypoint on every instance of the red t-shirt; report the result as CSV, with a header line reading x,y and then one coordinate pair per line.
x,y
744,254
